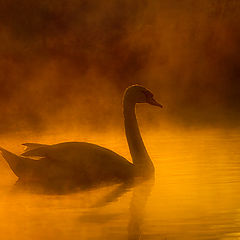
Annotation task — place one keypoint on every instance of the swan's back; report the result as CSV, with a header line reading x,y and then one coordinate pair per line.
x,y
85,161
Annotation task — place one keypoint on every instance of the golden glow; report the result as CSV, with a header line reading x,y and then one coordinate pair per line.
x,y
196,194
64,66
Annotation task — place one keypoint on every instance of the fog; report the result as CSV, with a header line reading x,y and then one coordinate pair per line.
x,y
65,64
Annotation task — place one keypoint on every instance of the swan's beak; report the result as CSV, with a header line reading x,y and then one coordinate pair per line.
x,y
152,101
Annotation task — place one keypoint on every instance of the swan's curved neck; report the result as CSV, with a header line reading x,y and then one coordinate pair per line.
x,y
136,145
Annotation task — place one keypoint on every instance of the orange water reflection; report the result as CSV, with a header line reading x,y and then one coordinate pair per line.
x,y
196,195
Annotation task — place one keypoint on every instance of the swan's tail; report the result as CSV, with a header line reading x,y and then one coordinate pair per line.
x,y
13,161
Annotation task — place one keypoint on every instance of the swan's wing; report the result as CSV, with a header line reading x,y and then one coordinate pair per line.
x,y
57,151
73,152
31,146
40,151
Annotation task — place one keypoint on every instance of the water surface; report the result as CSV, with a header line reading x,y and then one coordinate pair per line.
x,y
195,195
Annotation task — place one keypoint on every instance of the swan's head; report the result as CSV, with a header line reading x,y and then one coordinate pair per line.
x,y
140,94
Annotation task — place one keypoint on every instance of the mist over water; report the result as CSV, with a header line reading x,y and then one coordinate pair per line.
x,y
64,66
67,63
195,195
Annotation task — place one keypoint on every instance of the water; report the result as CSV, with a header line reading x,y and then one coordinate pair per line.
x,y
195,195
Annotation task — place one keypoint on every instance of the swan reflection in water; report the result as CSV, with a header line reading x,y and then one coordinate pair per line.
x,y
82,165
140,193
140,189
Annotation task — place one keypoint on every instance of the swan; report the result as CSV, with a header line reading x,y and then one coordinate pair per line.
x,y
87,164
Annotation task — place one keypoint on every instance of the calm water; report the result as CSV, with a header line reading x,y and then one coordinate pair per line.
x,y
195,195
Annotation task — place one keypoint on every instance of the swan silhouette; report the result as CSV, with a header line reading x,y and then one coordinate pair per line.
x,y
86,164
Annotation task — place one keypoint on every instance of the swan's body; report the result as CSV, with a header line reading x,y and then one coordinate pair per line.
x,y
83,163
86,164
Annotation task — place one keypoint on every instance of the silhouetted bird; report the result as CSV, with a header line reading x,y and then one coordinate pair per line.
x,y
85,164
